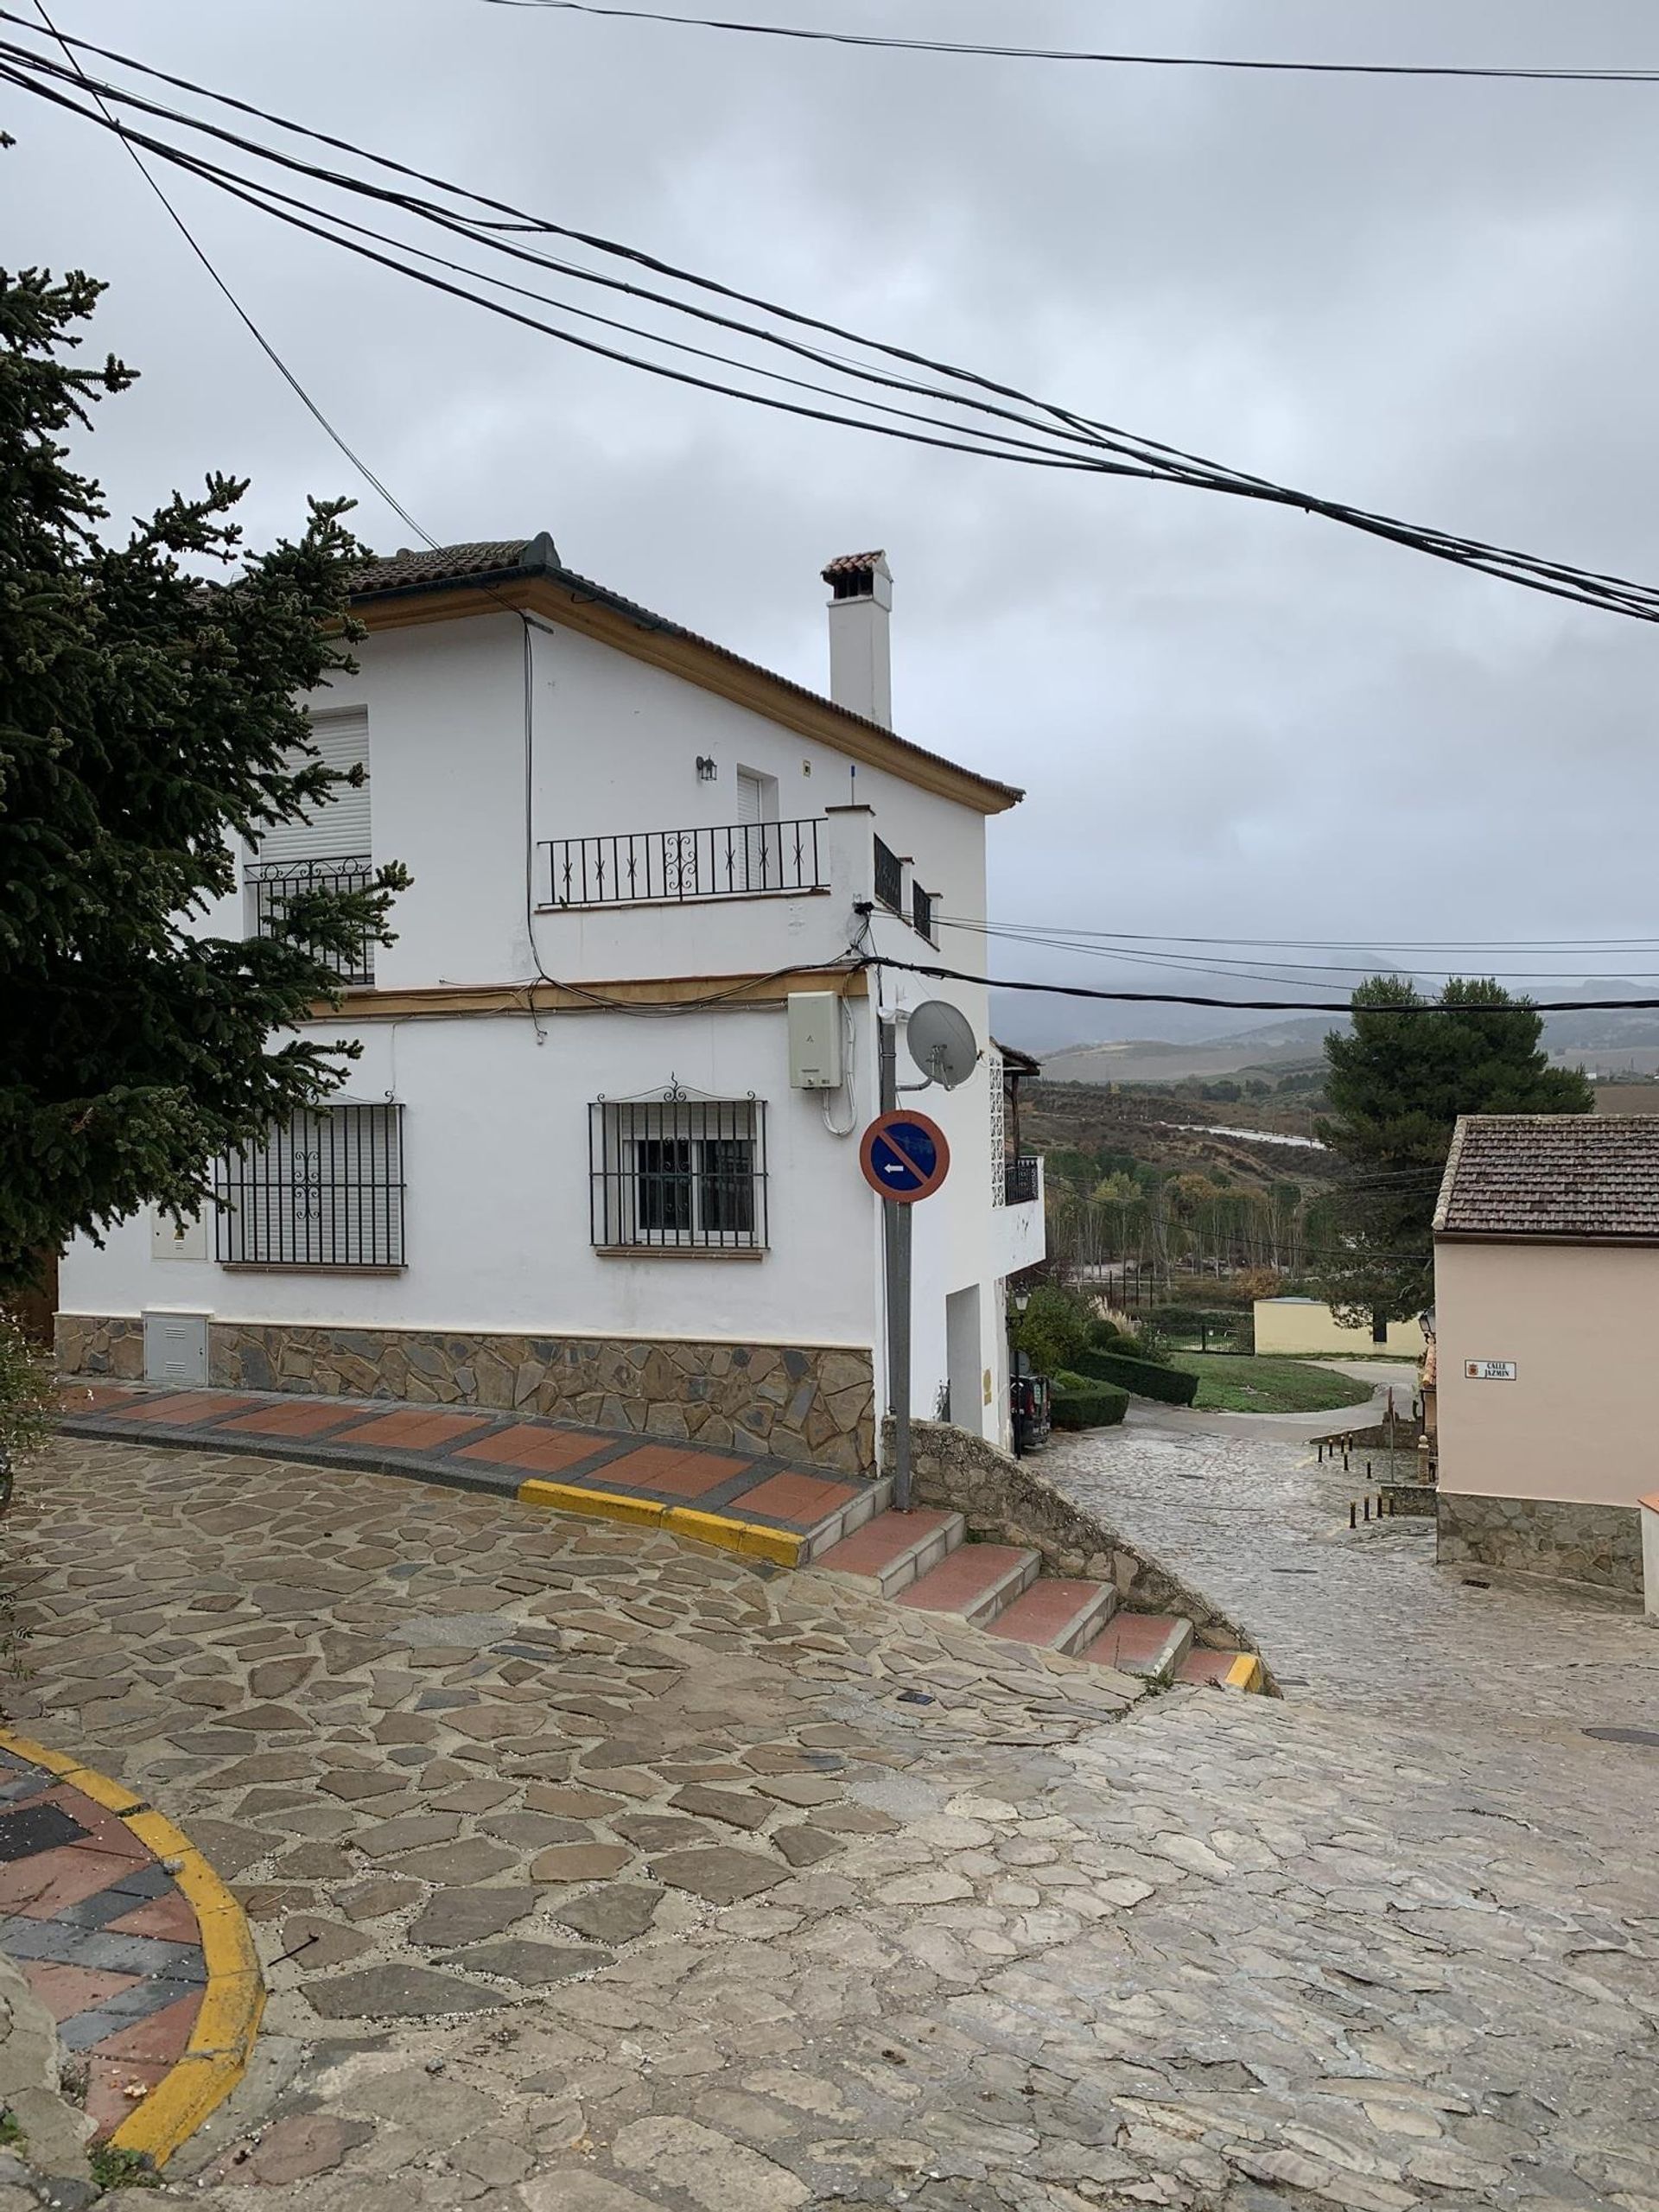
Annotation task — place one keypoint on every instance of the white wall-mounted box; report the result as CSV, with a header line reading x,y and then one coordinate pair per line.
x,y
815,1040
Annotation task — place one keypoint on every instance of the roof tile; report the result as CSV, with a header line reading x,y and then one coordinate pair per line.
x,y
1580,1176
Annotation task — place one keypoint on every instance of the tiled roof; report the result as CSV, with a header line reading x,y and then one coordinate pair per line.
x,y
500,561
1590,1177
852,564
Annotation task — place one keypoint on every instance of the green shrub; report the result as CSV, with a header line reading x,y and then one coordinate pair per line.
x,y
1103,1332
1084,1404
1054,1327
1146,1378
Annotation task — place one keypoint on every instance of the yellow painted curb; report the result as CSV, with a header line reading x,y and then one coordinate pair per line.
x,y
221,2042
1245,1673
749,1538
598,1504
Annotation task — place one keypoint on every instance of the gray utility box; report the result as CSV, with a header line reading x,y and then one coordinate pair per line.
x,y
175,1347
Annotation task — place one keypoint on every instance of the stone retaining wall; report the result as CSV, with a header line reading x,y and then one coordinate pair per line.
x,y
1008,1501
803,1402
101,1344
1599,1545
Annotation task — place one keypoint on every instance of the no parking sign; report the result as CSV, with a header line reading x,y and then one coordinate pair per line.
x,y
904,1156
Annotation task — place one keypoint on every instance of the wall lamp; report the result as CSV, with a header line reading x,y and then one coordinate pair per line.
x,y
708,768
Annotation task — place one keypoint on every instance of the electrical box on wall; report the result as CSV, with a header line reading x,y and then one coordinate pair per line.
x,y
176,1240
815,1041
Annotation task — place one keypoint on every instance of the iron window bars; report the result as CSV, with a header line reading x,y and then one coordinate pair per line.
x,y
671,1172
921,911
889,877
1020,1181
324,1190
274,885
739,860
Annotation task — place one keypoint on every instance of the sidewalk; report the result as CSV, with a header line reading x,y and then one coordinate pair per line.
x,y
743,1502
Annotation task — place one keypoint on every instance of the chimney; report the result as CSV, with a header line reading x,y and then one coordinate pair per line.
x,y
860,659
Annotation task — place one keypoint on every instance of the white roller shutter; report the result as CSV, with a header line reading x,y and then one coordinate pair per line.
x,y
340,829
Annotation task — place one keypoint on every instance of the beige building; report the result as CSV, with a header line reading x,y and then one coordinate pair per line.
x,y
1547,1292
1307,1325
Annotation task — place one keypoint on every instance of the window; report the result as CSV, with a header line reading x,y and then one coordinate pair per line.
x,y
325,1189
328,850
673,1172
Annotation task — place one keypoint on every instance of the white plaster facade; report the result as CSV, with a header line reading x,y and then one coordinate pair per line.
x,y
495,730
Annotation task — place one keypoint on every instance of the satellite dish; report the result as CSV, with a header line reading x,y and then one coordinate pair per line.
x,y
942,1043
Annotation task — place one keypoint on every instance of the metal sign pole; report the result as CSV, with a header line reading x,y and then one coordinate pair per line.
x,y
896,1245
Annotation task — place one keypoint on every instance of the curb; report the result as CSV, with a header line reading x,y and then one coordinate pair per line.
x,y
725,1532
221,2042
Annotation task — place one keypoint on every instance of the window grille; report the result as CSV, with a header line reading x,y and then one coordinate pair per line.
x,y
673,1172
889,877
324,1190
921,911
999,1127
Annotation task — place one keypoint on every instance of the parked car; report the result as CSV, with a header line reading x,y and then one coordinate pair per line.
x,y
1028,1405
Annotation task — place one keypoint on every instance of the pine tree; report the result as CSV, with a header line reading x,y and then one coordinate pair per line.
x,y
1397,1087
149,719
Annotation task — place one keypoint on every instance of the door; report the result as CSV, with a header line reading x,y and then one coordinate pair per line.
x,y
757,860
964,1370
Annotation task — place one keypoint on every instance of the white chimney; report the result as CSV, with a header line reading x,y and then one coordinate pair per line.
x,y
861,654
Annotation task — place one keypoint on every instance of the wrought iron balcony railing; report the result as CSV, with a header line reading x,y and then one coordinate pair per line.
x,y
276,884
741,859
921,911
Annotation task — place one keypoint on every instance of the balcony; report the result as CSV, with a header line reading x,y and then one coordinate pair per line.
x,y
276,884
921,911
889,877
656,867
1022,1183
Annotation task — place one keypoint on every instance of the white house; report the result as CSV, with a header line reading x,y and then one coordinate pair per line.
x,y
577,1169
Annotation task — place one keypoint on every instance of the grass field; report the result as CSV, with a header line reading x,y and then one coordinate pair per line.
x,y
1234,1383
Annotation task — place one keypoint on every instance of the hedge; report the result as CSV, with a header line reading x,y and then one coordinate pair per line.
x,y
1096,1405
1142,1377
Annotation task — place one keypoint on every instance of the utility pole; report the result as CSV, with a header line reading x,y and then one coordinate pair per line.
x,y
896,1250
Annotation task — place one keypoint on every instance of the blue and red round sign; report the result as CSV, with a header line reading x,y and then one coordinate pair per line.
x,y
904,1156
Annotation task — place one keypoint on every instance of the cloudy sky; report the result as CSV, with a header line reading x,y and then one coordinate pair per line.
x,y
1440,300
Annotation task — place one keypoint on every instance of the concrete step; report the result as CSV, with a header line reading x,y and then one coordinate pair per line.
x,y
976,1582
1224,1670
871,1502
893,1549
1152,1645
1061,1616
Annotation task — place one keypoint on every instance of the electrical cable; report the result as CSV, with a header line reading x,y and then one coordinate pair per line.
x,y
1083,442
1256,1005
1502,73
1369,945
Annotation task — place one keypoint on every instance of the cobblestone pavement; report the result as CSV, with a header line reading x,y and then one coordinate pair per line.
x,y
1363,1619
720,1920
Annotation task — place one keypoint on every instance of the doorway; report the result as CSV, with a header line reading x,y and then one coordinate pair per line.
x,y
963,1368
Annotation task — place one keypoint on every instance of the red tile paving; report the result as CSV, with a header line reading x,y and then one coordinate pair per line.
x,y
1045,1610
96,1398
42,1885
798,1497
545,1450
1205,1666
64,1991
185,1407
413,1431
114,2086
665,1467
961,1577
161,2037
1131,1639
882,1540
169,1917
306,1419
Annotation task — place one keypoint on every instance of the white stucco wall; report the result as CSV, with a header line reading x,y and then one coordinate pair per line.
x,y
495,1125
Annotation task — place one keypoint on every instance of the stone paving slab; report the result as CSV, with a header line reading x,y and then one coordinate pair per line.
x,y
489,1451
870,1908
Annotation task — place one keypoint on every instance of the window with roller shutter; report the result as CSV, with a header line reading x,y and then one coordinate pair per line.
x,y
323,1190
330,850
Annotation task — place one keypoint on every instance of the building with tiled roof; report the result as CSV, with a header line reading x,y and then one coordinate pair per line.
x,y
597,1157
1545,1297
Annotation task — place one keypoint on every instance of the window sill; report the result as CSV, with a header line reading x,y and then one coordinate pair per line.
x,y
679,1251
306,1268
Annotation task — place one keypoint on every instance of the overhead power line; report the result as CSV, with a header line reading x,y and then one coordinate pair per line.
x,y
1253,1006
856,382
887,42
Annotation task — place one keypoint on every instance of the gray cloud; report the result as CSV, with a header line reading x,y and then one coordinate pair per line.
x,y
1436,299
